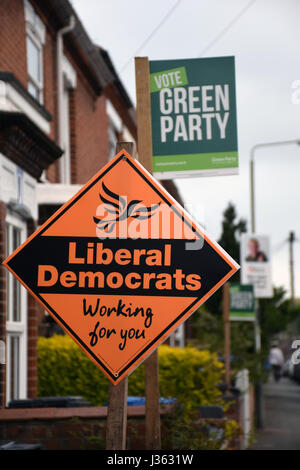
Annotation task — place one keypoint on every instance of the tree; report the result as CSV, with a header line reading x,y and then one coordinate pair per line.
x,y
275,315
231,231
230,242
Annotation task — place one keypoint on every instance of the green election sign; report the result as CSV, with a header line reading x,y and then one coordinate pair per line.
x,y
242,302
193,112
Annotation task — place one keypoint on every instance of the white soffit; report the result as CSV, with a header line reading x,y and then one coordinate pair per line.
x,y
56,193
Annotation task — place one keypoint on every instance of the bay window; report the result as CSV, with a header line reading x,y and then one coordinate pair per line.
x,y
16,321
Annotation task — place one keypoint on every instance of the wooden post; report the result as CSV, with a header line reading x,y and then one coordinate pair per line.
x,y
144,148
152,419
127,146
116,424
143,110
226,319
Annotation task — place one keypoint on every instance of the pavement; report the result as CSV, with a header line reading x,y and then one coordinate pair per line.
x,y
281,429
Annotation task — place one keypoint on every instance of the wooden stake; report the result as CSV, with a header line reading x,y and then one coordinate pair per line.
x,y
153,435
143,110
116,425
144,147
226,318
127,146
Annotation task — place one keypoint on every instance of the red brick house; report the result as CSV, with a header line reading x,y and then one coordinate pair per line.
x,y
62,110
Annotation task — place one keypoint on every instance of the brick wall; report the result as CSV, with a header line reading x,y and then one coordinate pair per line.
x,y
50,92
32,329
89,133
123,111
85,428
68,428
89,136
50,79
89,145
73,135
12,39
89,120
2,298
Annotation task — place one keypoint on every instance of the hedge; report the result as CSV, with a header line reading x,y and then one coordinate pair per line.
x,y
188,374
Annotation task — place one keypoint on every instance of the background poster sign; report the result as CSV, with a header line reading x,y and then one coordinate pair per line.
x,y
242,303
256,264
194,123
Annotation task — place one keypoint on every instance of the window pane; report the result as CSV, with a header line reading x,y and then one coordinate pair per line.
x,y
33,90
8,275
33,60
13,287
16,300
112,141
16,238
14,358
16,307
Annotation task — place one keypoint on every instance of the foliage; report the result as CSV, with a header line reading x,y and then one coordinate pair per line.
x,y
207,330
275,314
190,375
231,428
187,374
208,333
231,230
229,240
243,351
63,369
186,431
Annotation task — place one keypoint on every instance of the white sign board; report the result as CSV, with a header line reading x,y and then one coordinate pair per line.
x,y
256,264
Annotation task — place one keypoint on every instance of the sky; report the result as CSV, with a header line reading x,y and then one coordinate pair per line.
x,y
264,37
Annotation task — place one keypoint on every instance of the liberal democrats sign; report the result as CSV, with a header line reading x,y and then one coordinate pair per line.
x,y
194,123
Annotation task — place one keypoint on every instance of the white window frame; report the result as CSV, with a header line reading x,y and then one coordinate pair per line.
x,y
17,328
36,32
112,140
39,84
69,83
65,160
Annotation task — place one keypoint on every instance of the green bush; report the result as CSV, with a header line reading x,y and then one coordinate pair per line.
x,y
189,375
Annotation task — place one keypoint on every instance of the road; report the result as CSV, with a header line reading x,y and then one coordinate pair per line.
x,y
281,417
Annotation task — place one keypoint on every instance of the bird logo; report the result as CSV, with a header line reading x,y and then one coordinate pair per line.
x,y
118,209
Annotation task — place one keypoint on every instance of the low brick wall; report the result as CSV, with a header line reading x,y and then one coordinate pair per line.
x,y
69,428
84,428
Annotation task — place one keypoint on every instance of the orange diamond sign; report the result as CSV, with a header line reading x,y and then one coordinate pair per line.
x,y
120,266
